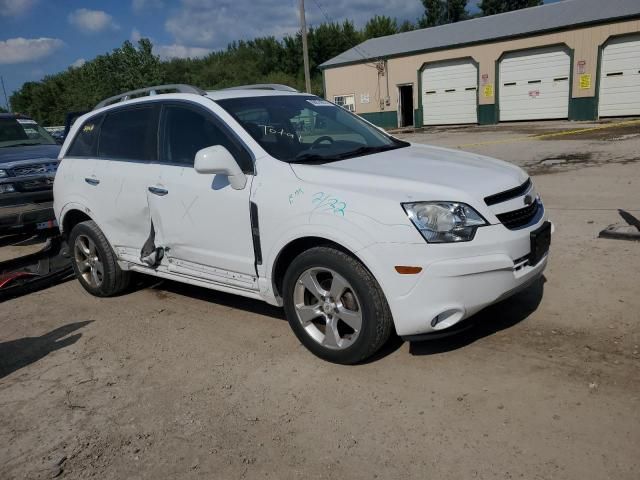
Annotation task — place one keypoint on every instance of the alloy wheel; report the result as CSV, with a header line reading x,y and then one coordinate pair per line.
x,y
328,308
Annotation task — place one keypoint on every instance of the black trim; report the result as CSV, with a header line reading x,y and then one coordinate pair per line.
x,y
520,218
255,233
508,194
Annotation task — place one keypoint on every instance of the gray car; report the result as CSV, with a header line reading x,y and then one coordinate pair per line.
x,y
28,163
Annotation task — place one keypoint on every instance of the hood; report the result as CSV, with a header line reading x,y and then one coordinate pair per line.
x,y
29,152
418,169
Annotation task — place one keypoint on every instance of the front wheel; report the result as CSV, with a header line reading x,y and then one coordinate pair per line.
x,y
335,306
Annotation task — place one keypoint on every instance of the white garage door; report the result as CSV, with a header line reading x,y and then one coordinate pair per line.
x,y
620,78
449,93
534,85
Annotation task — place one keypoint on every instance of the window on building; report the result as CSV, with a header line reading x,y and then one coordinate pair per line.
x,y
348,102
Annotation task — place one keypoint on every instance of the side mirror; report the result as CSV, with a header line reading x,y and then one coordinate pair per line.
x,y
218,160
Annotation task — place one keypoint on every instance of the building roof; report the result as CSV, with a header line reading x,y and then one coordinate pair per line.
x,y
553,16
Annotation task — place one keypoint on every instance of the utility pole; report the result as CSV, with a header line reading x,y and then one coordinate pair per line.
x,y
6,100
305,47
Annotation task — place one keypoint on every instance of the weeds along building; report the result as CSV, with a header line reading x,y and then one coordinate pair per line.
x,y
575,59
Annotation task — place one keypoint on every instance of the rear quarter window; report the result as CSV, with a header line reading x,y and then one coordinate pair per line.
x,y
85,144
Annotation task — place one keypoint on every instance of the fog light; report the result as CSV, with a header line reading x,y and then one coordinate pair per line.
x,y
7,188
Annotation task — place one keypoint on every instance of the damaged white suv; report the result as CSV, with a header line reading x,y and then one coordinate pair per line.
x,y
282,196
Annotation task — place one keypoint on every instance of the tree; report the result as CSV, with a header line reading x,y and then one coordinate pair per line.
x,y
2,110
439,12
406,26
433,13
492,7
457,11
380,26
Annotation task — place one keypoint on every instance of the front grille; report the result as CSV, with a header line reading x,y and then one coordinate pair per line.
x,y
508,194
33,185
519,218
36,169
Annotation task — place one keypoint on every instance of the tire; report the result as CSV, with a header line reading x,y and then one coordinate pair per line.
x,y
335,306
94,262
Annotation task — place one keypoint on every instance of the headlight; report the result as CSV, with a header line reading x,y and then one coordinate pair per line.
x,y
3,174
444,222
7,188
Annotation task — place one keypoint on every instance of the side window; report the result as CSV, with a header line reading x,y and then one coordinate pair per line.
x,y
129,134
186,131
86,142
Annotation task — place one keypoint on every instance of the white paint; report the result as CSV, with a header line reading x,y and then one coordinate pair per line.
x,y
534,85
620,78
450,93
355,203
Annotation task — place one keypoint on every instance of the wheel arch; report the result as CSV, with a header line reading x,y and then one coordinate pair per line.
x,y
294,248
71,218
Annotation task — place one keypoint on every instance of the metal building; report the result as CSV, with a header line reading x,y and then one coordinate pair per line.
x,y
575,59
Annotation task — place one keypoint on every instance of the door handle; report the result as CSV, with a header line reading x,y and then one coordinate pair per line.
x,y
158,191
92,181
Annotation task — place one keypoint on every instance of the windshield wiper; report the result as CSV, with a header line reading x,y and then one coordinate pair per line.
x,y
366,150
311,157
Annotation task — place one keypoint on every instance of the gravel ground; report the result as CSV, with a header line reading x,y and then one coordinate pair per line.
x,y
173,381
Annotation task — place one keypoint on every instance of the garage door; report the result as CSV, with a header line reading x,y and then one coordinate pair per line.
x,y
449,93
620,78
534,85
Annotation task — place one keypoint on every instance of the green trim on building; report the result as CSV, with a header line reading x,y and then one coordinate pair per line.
x,y
382,119
585,108
487,114
417,117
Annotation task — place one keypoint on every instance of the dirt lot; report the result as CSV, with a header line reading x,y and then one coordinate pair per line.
x,y
178,382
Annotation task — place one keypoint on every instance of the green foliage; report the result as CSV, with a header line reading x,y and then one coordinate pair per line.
x,y
261,60
492,7
80,88
380,26
2,110
439,12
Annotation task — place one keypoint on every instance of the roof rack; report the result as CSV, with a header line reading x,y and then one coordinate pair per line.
x,y
265,86
150,91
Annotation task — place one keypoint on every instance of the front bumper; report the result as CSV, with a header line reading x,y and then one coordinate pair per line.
x,y
457,280
30,215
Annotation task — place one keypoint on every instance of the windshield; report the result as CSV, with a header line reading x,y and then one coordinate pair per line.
x,y
16,132
307,129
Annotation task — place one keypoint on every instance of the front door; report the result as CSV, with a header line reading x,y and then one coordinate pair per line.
x,y
200,220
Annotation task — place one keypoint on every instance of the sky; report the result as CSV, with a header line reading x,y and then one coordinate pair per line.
x,y
40,37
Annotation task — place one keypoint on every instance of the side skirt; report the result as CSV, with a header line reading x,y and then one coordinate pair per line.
x,y
199,282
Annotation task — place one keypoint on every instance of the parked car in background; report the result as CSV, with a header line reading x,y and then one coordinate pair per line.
x,y
28,164
285,197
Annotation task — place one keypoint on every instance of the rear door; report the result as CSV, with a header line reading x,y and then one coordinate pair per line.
x,y
203,224
125,165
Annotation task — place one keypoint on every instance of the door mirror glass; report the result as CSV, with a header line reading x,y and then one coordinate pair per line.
x,y
219,161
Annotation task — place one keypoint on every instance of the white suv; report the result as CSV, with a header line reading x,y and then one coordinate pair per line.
x,y
282,196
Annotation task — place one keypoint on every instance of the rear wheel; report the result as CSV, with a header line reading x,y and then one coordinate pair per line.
x,y
94,262
335,306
